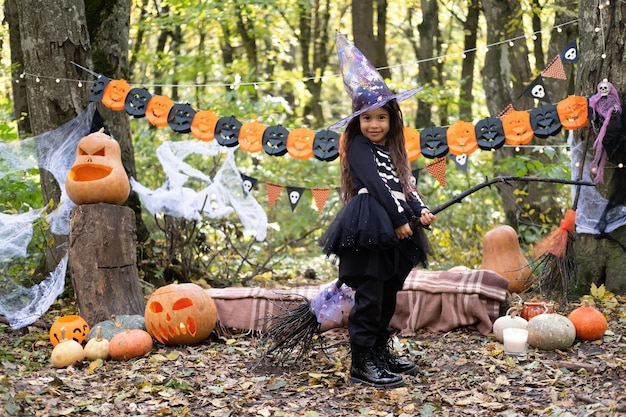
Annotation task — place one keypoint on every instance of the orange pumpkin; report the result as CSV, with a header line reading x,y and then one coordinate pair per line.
x,y
76,328
203,125
158,110
412,143
535,307
114,96
573,112
517,128
130,344
461,138
300,143
97,175
590,324
180,314
251,136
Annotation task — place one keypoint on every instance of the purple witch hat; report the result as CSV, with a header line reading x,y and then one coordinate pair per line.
x,y
363,82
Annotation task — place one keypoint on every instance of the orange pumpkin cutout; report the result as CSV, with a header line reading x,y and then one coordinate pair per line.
x,y
114,96
412,143
158,110
97,175
203,125
300,143
573,112
461,137
251,136
517,128
180,314
75,328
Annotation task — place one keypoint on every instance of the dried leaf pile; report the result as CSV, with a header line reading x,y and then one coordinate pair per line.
x,y
462,373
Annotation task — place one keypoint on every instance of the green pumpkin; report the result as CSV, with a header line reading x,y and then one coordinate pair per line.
x,y
118,324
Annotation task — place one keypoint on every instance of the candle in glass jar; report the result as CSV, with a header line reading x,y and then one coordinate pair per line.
x,y
515,341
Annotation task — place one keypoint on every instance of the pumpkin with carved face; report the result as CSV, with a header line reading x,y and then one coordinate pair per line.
x,y
461,138
251,136
275,140
489,134
300,143
137,101
433,142
412,143
545,121
180,314
180,117
326,145
203,125
517,129
114,96
158,110
573,112
97,90
97,175
227,131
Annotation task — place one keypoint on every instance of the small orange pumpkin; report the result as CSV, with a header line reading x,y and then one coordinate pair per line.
x,y
590,324
534,307
412,143
180,314
158,110
461,138
203,125
573,112
97,175
130,344
114,96
76,328
517,128
251,136
300,143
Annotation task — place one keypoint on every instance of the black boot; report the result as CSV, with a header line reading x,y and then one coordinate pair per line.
x,y
367,370
393,363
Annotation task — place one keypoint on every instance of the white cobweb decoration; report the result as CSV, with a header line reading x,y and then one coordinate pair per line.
x,y
219,196
53,151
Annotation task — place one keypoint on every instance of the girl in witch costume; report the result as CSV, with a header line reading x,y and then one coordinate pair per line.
x,y
378,235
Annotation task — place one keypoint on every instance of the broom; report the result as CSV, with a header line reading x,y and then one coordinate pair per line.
x,y
295,331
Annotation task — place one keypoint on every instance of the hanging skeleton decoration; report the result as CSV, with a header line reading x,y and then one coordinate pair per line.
x,y
606,112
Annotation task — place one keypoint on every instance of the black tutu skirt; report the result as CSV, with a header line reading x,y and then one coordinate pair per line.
x,y
363,238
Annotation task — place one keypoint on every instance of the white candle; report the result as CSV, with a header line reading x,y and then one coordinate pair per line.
x,y
515,341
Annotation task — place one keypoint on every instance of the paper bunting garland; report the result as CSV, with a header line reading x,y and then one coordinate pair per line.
x,y
537,90
247,184
273,191
555,69
438,170
569,54
295,194
320,195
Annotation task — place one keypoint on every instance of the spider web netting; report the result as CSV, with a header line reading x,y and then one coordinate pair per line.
x,y
591,204
55,152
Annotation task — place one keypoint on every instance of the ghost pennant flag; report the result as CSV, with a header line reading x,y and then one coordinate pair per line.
x,y
537,90
569,54
295,194
247,184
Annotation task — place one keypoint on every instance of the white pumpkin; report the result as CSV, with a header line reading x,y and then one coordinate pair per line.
x,y
511,319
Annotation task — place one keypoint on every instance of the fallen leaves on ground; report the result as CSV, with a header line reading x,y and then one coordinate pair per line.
x,y
462,373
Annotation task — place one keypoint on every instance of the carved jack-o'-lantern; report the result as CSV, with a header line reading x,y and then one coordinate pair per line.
x,y
412,143
97,175
251,136
227,131
75,328
137,102
326,145
545,121
489,133
114,96
300,143
275,140
203,125
180,117
517,129
433,142
97,90
573,112
180,314
461,138
159,110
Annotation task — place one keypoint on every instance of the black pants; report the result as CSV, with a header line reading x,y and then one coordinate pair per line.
x,y
374,306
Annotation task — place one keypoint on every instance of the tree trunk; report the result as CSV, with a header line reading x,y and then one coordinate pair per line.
x,y
53,34
599,260
428,34
103,262
470,27
371,43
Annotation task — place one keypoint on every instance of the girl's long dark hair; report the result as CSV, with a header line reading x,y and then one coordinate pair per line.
x,y
397,151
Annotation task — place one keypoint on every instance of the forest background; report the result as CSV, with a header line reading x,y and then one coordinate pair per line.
x,y
275,61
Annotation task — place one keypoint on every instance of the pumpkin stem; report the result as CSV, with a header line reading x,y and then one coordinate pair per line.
x,y
116,322
513,311
62,331
99,333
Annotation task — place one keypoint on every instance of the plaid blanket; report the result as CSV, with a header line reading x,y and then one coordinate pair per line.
x,y
436,300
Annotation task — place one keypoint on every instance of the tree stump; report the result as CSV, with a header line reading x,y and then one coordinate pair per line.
x,y
103,261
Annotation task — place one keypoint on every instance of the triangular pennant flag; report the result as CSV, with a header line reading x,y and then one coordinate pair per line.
x,y
569,54
247,184
320,195
460,161
273,191
555,69
508,109
438,170
295,194
537,90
